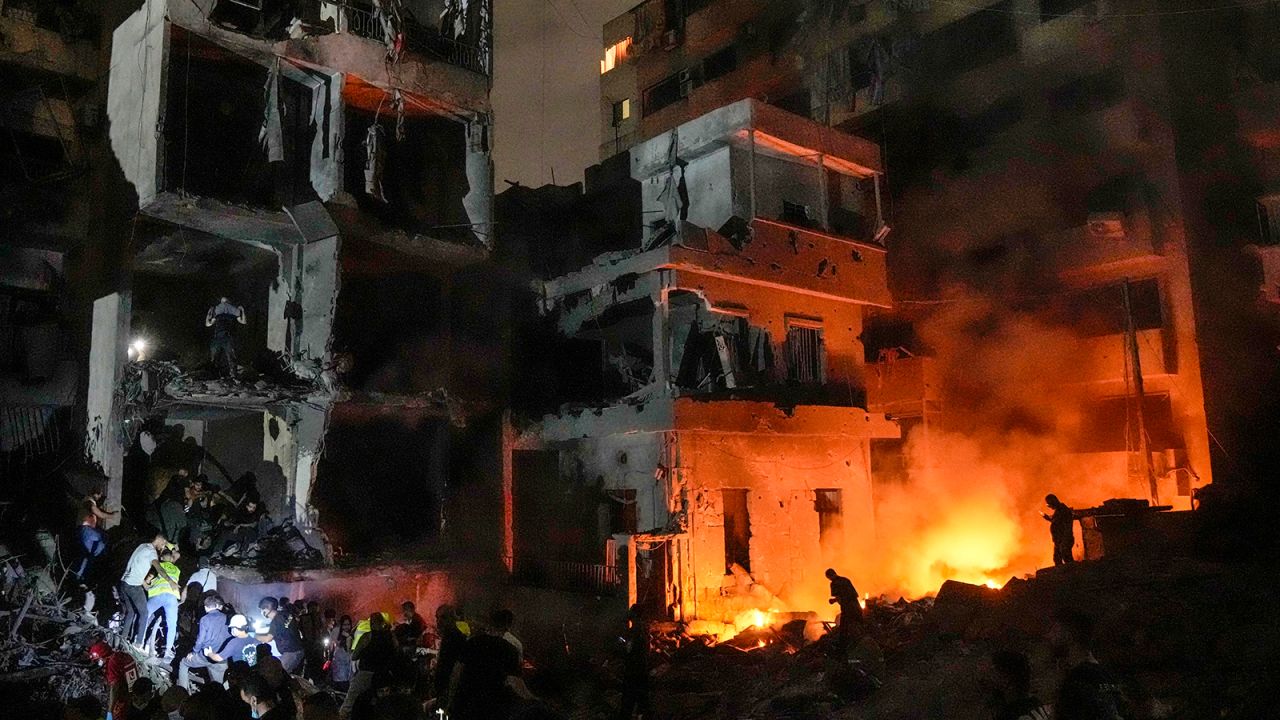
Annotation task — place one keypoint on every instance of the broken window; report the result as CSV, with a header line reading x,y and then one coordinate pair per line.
x,y
805,351
851,205
718,350
737,530
829,505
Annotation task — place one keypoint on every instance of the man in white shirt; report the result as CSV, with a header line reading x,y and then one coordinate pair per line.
x,y
205,576
133,596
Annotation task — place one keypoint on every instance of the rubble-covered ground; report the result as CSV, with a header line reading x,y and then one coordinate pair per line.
x,y
45,670
1190,638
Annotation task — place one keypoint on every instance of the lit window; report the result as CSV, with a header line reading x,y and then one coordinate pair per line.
x,y
621,111
614,55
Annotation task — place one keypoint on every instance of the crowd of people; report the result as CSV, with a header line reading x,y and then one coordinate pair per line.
x,y
291,659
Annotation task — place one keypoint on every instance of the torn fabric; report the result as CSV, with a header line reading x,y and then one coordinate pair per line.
x,y
271,135
374,155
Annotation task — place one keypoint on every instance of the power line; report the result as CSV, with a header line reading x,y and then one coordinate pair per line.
x,y
564,22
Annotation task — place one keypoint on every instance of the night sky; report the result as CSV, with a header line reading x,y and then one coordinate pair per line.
x,y
546,88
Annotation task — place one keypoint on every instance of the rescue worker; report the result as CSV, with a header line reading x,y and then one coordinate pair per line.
x,y
121,673
165,595
1088,691
223,318
846,595
1061,529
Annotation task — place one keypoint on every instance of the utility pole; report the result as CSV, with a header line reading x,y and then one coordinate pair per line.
x,y
1143,443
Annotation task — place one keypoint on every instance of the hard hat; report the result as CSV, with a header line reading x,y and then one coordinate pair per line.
x,y
239,622
99,650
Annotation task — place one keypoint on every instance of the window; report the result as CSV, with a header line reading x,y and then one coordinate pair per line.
x,y
805,352
830,507
1050,9
971,42
615,54
720,63
621,111
622,511
737,530
1100,310
1269,219
667,92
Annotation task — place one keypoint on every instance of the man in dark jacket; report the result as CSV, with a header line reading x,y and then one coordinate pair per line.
x,y
1061,529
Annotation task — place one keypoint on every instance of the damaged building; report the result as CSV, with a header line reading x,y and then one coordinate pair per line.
x,y
726,454
1062,238
329,173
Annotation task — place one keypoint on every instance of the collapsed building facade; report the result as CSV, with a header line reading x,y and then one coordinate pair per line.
x,y
734,451
328,172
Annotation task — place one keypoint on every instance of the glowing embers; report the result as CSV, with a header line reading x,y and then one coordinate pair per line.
x,y
615,54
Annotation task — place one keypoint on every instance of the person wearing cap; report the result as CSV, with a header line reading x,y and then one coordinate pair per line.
x,y
121,672
164,595
217,661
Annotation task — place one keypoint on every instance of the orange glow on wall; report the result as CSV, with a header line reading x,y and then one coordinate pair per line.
x,y
615,54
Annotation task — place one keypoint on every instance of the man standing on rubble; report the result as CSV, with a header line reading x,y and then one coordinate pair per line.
x,y
133,596
121,673
635,668
1061,529
846,595
223,318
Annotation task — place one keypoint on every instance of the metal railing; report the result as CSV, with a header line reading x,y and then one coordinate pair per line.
x,y
422,40
566,575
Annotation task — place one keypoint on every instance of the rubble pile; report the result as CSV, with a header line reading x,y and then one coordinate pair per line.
x,y
1182,647
44,641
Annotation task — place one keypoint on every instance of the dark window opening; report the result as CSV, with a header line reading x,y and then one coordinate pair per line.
x,y
621,111
830,508
804,355
1089,93
797,214
737,530
1050,9
998,117
1100,311
664,93
796,102
979,39
720,63
214,112
622,511
884,335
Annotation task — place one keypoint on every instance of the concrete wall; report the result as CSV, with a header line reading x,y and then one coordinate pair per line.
x,y
108,354
135,94
780,473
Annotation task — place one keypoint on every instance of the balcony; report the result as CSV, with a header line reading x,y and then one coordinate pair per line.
x,y
902,385
1105,242
578,577
425,41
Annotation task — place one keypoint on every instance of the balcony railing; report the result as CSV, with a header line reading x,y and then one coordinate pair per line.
x,y
422,40
566,575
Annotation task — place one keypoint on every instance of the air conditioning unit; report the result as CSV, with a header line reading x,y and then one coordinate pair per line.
x,y
670,39
686,82
1106,225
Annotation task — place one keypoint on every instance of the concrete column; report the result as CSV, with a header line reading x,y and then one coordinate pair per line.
x,y
108,354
